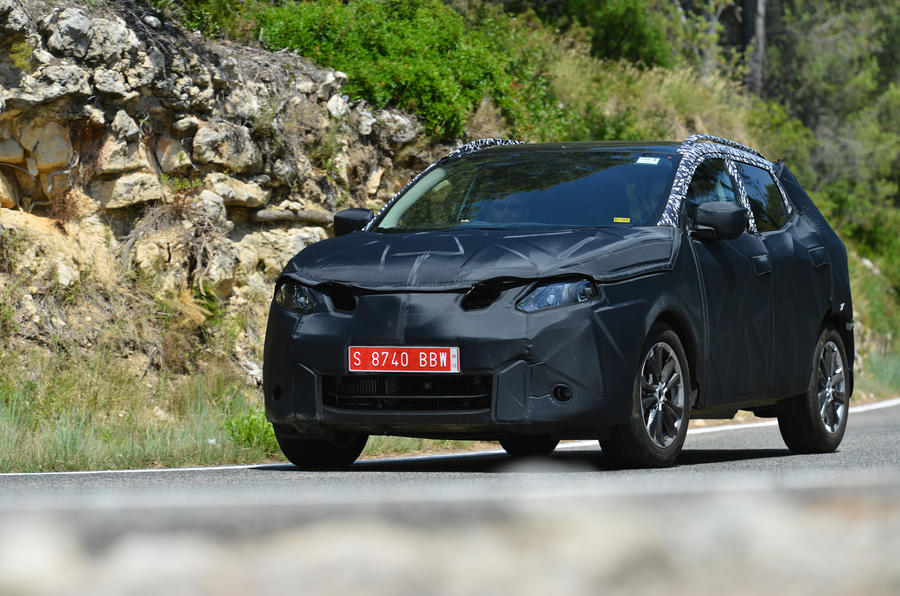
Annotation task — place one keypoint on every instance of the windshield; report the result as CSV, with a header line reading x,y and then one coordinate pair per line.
x,y
537,189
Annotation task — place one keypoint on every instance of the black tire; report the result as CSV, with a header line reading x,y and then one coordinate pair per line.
x,y
661,406
815,421
528,446
322,454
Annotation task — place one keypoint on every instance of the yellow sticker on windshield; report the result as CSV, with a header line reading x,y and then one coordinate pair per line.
x,y
621,220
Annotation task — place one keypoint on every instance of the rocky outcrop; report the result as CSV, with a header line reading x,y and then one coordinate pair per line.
x,y
111,112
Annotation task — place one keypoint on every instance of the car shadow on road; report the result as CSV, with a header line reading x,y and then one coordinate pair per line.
x,y
560,461
692,457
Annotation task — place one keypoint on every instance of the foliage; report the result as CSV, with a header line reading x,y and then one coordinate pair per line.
x,y
20,53
249,428
413,54
12,245
632,30
835,66
211,17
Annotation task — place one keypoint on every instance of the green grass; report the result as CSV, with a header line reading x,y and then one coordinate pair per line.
x,y
94,412
880,378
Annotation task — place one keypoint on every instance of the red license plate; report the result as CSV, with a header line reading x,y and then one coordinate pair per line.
x,y
403,359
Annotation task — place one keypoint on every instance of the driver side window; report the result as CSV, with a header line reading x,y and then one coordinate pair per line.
x,y
710,183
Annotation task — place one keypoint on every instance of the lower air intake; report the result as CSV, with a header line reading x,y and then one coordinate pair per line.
x,y
408,393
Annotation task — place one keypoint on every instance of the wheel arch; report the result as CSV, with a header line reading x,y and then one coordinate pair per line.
x,y
834,319
678,323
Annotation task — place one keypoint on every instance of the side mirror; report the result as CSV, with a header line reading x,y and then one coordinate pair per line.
x,y
719,220
351,220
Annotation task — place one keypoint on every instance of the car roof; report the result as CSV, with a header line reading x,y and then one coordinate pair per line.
x,y
587,146
697,144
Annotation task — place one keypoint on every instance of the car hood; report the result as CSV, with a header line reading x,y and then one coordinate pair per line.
x,y
446,260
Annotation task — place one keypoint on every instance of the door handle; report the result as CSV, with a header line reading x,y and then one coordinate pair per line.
x,y
762,265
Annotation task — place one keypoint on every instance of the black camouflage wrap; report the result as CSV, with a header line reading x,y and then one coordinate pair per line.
x,y
748,312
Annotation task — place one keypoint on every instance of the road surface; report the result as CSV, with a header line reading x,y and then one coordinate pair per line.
x,y
738,514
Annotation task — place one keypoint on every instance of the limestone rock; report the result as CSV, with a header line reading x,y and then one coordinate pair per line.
x,y
397,127
125,127
94,115
171,155
51,81
111,82
373,181
337,107
270,249
118,156
12,18
63,79
110,40
210,207
244,101
304,85
7,192
341,167
228,145
187,123
332,83
364,120
11,151
48,143
217,271
65,272
235,192
163,253
146,69
70,34
56,182
127,190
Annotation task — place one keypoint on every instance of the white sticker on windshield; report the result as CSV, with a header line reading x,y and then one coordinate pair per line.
x,y
650,160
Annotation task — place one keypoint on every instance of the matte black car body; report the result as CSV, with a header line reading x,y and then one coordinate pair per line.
x,y
748,312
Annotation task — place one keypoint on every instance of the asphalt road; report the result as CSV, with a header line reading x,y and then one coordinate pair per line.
x,y
738,514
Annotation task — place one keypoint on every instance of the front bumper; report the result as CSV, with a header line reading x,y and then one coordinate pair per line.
x,y
522,358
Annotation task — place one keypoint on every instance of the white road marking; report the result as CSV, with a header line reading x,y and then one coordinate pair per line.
x,y
573,445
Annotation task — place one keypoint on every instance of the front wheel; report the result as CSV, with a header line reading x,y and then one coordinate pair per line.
x,y
661,406
815,421
318,454
527,446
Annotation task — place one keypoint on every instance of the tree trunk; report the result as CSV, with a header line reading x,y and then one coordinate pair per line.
x,y
757,56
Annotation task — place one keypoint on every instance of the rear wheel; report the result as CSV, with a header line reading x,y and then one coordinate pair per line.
x,y
528,446
815,421
661,406
316,454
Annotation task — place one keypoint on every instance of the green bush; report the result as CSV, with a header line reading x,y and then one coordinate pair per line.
x,y
632,30
249,428
413,54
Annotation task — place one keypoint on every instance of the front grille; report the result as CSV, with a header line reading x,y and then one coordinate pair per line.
x,y
410,393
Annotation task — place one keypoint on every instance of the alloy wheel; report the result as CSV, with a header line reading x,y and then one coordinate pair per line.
x,y
662,394
831,387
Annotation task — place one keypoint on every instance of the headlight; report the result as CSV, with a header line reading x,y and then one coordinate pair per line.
x,y
558,293
293,296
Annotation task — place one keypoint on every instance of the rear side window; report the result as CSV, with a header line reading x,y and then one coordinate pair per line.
x,y
711,183
765,198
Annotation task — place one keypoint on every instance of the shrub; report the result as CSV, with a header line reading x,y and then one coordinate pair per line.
x,y
249,428
413,54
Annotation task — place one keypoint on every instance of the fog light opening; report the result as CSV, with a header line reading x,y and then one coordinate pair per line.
x,y
276,394
562,393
